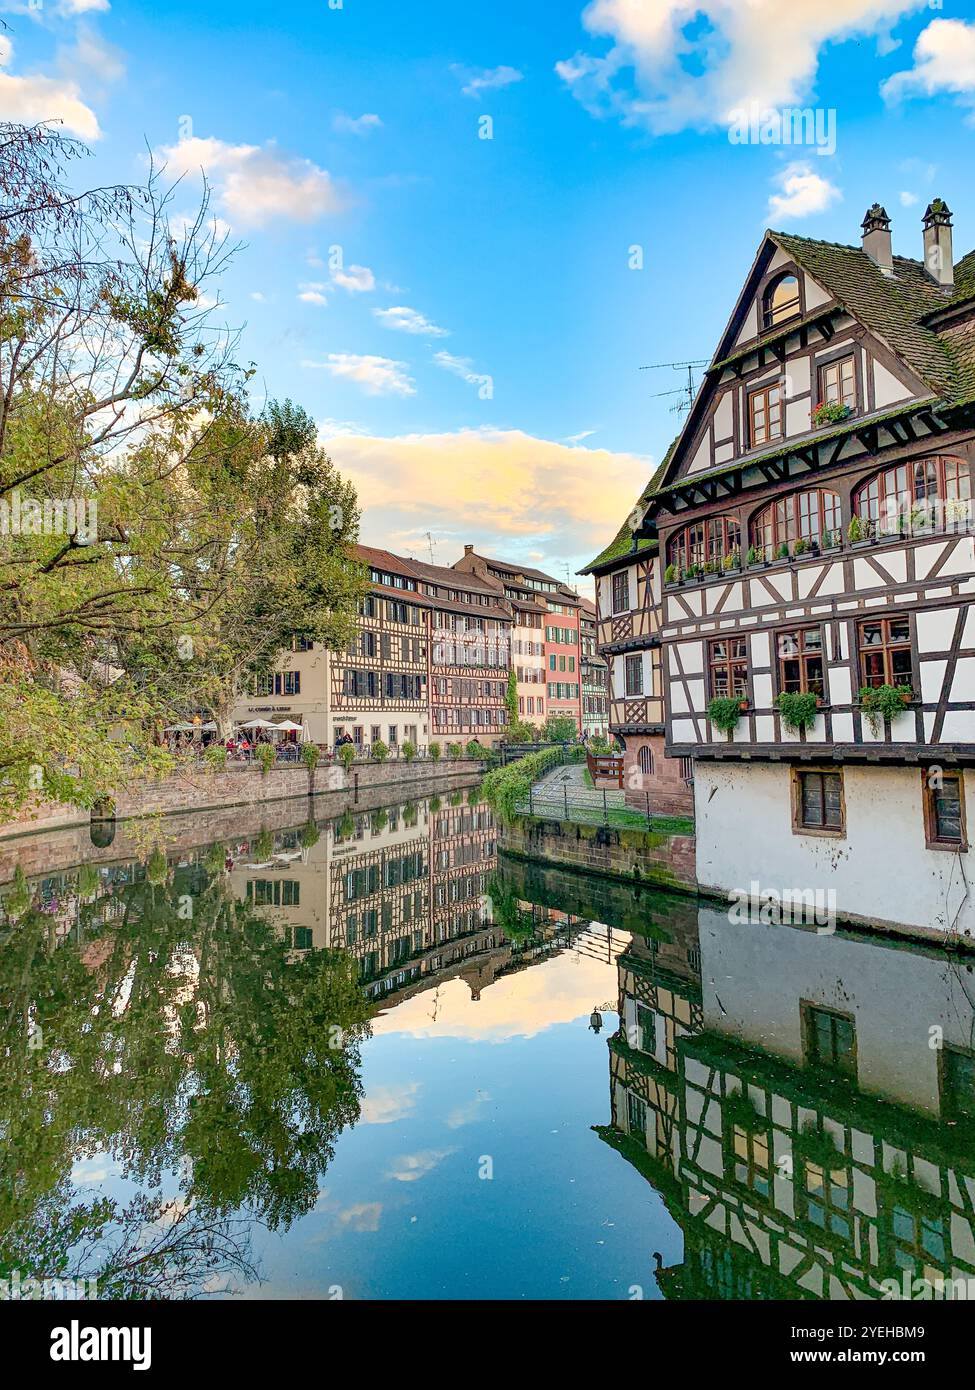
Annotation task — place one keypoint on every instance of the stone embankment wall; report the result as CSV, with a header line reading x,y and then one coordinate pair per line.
x,y
182,832
201,789
643,856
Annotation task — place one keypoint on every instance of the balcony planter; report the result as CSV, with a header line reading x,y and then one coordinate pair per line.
x,y
884,702
725,712
798,710
829,413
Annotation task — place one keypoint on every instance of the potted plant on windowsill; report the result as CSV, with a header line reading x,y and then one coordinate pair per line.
x,y
859,532
753,557
670,574
884,702
800,547
782,553
829,413
798,709
725,712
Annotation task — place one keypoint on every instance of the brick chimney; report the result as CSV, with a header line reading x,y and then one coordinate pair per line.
x,y
938,257
876,238
468,550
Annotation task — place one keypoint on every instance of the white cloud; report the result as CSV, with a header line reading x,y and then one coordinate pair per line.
x,y
378,376
37,98
743,51
256,294
802,193
385,1105
73,7
91,57
405,320
412,1167
907,199
256,184
364,1216
357,279
313,292
356,125
505,490
478,80
459,366
944,62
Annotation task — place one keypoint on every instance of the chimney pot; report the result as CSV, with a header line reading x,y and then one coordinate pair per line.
x,y
876,238
468,550
938,254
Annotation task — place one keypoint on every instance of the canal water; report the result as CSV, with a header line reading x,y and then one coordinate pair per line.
x,y
275,1056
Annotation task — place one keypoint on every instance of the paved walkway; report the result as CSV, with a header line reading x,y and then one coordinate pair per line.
x,y
570,780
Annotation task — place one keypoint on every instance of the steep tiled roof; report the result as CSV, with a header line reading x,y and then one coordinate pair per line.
x,y
892,306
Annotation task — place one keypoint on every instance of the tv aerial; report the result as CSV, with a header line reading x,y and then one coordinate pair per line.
x,y
686,392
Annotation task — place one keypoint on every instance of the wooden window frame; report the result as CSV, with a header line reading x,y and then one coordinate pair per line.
x,y
888,494
928,791
751,397
623,575
791,503
628,693
887,647
801,655
729,662
798,825
837,363
807,1007
768,294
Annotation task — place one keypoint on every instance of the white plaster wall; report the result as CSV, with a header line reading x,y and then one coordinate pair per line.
x,y
761,974
880,870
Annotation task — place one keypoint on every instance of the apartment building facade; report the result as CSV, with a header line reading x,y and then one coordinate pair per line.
x,y
811,533
628,618
429,662
547,629
595,676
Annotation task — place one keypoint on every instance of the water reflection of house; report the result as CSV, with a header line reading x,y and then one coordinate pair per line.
x,y
795,1113
402,889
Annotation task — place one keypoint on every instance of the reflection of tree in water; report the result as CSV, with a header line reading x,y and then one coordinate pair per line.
x,y
177,1036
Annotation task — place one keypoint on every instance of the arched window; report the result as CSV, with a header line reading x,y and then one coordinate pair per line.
x,y
930,494
781,302
795,521
646,760
704,546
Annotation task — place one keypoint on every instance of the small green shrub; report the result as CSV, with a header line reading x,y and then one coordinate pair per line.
x,y
265,756
798,711
477,750
670,574
215,756
783,552
379,751
435,751
454,750
347,753
409,751
724,712
881,702
855,529
310,835
753,557
310,755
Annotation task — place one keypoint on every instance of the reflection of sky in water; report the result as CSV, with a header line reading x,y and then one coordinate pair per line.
x,y
517,1078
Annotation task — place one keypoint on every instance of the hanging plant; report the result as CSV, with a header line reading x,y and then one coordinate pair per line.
x,y
830,413
724,712
798,711
882,702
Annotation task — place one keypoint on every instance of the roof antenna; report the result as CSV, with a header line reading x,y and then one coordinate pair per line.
x,y
430,543
686,392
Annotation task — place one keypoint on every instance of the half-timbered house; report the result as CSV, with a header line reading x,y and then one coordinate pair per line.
x,y
628,617
813,529
809,1142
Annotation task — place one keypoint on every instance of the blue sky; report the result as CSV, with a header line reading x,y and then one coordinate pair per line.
x,y
461,313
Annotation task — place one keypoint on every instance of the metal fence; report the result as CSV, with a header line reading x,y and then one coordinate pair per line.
x,y
591,806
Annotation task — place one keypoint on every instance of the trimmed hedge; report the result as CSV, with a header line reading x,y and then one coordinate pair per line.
x,y
506,786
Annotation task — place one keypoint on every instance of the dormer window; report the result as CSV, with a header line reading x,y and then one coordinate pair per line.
x,y
780,302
